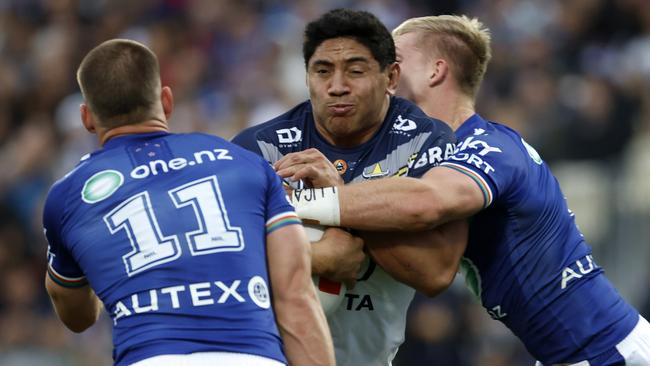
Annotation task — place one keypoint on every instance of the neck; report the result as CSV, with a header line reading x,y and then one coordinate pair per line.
x,y
449,106
148,126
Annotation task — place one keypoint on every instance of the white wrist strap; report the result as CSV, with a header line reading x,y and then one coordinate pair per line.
x,y
317,205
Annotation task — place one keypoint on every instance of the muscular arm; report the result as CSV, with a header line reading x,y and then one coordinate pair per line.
x,y
409,204
300,318
337,256
425,260
78,308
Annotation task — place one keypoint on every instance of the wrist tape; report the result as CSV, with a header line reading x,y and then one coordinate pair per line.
x,y
317,205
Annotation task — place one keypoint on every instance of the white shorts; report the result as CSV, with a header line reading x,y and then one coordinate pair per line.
x,y
209,359
634,349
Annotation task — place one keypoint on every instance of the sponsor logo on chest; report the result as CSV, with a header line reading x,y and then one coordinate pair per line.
x,y
291,135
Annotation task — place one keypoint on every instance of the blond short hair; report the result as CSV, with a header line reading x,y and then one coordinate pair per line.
x,y
463,41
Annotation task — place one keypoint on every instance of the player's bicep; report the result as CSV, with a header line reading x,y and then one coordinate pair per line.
x,y
459,195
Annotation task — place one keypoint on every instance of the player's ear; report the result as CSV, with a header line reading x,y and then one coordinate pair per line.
x,y
393,77
439,72
87,118
167,101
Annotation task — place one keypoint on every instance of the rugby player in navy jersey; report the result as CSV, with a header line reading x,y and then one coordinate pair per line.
x,y
173,233
526,261
352,129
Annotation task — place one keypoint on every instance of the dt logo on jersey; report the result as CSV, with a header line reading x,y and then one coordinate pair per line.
x,y
289,135
341,166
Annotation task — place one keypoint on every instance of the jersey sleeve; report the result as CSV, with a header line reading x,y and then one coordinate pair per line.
x,y
61,266
491,160
438,146
279,211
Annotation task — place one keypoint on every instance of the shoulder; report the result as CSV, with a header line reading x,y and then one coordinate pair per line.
x,y
490,136
281,129
222,145
407,116
491,146
58,197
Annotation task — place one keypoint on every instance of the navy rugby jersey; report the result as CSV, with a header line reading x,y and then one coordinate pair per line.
x,y
368,326
170,231
526,260
407,144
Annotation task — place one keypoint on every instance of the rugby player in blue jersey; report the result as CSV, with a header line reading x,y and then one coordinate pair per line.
x,y
353,129
526,261
173,233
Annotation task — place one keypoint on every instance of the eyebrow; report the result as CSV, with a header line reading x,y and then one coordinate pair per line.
x,y
351,60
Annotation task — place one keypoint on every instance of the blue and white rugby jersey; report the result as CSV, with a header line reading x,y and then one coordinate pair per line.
x,y
170,231
368,326
526,260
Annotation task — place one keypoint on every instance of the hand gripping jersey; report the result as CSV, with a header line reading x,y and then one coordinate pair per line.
x,y
169,230
368,326
526,260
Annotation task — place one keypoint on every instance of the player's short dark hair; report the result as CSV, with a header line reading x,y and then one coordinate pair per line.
x,y
120,82
361,26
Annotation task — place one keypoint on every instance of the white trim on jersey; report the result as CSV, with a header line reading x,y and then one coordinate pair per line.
x,y
635,348
209,359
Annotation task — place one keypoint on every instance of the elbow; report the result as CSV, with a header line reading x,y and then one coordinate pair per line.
x,y
77,319
82,320
438,283
78,326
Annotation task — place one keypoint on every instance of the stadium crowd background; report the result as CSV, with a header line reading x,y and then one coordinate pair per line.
x,y
572,75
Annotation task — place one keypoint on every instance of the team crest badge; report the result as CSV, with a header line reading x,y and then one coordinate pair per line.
x,y
101,186
374,172
341,166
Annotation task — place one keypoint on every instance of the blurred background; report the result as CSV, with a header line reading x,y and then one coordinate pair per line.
x,y
573,76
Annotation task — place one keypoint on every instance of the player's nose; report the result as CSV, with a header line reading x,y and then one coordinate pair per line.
x,y
338,84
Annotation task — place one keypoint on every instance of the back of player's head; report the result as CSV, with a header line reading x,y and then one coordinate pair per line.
x,y
361,26
120,82
463,41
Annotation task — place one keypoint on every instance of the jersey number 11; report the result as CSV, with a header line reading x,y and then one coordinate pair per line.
x,y
150,248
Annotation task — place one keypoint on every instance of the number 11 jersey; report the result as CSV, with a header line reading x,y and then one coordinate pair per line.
x,y
170,232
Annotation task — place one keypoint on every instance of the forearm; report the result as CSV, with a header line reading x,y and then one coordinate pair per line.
x,y
304,330
393,204
427,261
298,313
321,263
397,204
